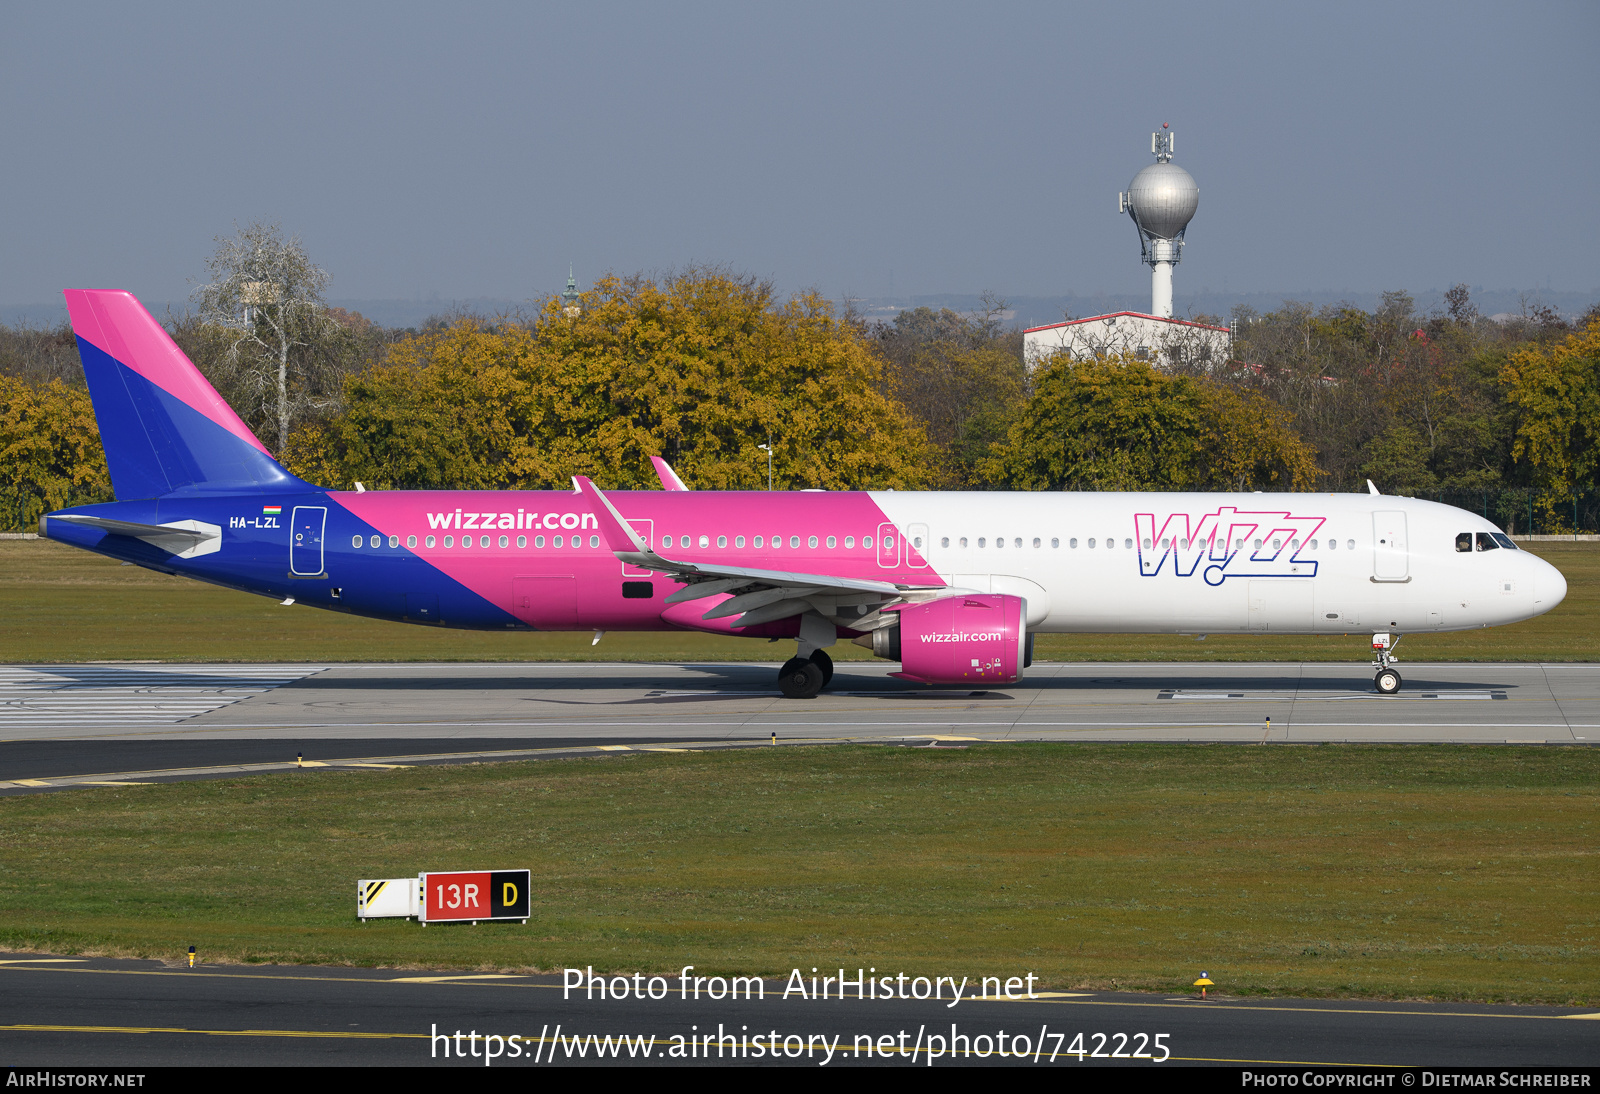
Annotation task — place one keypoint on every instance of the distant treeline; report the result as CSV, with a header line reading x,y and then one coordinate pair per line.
x,y
706,368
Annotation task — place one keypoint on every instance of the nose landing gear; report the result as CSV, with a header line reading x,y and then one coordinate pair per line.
x,y
1387,681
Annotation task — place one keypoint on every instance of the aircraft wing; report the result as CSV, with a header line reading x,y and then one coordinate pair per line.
x,y
759,596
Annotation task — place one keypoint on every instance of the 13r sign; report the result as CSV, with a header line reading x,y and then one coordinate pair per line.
x,y
475,894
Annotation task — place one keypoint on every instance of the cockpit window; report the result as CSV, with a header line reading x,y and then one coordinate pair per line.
x,y
1505,541
1464,542
1486,542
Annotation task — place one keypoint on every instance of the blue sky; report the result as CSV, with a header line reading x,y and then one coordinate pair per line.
x,y
474,150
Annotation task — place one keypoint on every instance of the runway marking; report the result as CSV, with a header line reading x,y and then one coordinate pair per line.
x,y
756,725
654,1041
1303,697
1067,999
92,695
143,778
464,976
43,960
215,1032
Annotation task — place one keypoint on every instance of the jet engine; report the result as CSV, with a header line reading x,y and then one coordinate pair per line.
x,y
981,638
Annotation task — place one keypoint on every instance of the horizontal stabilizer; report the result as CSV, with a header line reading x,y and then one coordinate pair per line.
x,y
184,538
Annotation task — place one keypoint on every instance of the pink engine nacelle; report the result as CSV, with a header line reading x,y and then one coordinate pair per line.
x,y
959,640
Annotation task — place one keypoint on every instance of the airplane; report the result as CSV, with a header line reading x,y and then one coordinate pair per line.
x,y
952,585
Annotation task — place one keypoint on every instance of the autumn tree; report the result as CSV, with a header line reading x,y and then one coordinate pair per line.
x,y
961,376
1117,423
1556,392
39,354
263,317
50,454
702,368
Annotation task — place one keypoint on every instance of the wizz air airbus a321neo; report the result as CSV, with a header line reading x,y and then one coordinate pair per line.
x,y
951,585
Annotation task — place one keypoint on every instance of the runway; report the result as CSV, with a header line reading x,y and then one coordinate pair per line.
x,y
130,1014
156,721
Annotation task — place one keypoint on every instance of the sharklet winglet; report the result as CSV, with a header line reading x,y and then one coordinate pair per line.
x,y
669,477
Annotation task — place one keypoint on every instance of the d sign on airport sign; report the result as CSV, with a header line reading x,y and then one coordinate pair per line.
x,y
475,894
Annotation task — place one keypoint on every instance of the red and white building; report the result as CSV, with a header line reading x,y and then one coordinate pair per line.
x,y
1167,343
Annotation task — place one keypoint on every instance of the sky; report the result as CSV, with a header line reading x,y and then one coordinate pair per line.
x,y
863,149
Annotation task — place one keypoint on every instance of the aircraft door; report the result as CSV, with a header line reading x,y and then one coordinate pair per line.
x,y
305,540
647,532
549,603
1279,604
918,546
888,546
1390,562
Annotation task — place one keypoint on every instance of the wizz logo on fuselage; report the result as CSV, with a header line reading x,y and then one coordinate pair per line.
x,y
1227,543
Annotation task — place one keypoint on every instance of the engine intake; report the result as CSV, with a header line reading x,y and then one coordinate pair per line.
x,y
958,640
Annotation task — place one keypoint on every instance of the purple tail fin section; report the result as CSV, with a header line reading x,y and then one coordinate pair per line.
x,y
164,427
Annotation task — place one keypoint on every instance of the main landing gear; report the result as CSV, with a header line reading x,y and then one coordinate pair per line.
x,y
1388,680
810,670
803,677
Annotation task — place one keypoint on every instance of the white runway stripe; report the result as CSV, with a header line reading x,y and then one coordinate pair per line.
x,y
74,696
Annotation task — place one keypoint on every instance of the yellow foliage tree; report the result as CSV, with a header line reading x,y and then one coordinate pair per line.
x,y
1556,391
50,454
701,369
1116,423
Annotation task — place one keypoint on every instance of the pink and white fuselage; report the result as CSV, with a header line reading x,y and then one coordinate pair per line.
x,y
1084,563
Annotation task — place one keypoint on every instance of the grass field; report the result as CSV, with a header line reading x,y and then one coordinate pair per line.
x,y
68,605
1447,872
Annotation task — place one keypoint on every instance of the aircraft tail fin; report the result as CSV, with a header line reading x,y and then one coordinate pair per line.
x,y
163,426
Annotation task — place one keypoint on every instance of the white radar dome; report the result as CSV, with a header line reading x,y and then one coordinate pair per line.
x,y
1163,198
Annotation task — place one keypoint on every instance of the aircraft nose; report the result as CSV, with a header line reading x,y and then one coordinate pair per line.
x,y
1549,585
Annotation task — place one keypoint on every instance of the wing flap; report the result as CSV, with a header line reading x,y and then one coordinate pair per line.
x,y
762,595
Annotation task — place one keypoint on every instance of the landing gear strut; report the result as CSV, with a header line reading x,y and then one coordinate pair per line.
x,y
1387,681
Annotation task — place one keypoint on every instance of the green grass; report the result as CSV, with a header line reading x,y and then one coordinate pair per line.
x,y
1447,872
68,605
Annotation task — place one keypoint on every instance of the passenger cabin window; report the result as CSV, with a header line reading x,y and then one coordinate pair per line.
x,y
1486,542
